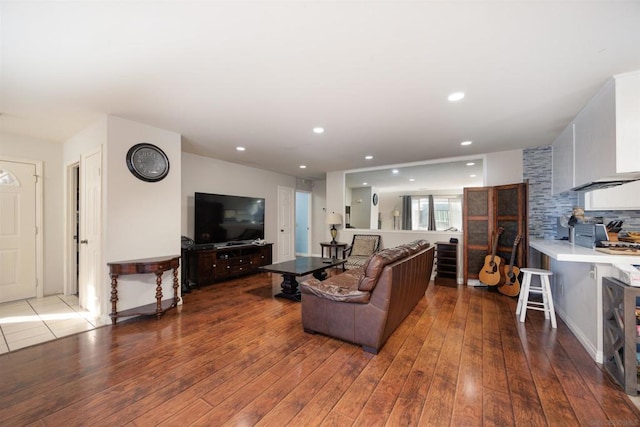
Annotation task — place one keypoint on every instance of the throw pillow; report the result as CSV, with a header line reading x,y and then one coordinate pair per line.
x,y
363,247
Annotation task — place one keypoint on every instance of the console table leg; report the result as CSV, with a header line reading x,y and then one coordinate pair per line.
x,y
159,294
114,298
176,298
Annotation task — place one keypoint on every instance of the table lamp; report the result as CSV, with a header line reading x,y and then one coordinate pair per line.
x,y
334,219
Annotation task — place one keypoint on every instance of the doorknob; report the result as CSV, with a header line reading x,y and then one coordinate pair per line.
x,y
282,231
85,241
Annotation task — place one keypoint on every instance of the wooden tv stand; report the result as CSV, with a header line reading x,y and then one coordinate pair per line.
x,y
207,264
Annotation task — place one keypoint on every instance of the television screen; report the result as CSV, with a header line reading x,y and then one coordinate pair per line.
x,y
221,218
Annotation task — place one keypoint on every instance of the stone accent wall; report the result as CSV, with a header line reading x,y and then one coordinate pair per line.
x,y
544,208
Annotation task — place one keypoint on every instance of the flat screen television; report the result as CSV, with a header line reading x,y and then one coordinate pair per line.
x,y
220,218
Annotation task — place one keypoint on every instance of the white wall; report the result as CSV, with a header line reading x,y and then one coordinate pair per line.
x,y
361,208
320,229
50,154
85,141
206,175
142,218
504,167
139,219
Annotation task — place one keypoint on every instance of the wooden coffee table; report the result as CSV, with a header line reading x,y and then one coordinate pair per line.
x,y
301,266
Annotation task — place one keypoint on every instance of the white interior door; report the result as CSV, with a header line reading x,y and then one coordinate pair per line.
x,y
89,288
18,230
286,243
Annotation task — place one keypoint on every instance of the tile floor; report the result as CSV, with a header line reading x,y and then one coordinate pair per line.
x,y
33,321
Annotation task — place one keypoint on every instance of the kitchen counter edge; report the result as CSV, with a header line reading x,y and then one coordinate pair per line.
x,y
562,250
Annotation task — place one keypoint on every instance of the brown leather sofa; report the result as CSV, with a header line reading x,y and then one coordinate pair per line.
x,y
365,305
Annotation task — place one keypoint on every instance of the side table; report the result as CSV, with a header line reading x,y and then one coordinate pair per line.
x,y
141,266
333,249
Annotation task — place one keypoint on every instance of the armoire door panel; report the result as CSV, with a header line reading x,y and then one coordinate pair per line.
x,y
485,210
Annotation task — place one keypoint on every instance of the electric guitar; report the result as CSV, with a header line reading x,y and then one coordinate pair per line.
x,y
510,283
490,273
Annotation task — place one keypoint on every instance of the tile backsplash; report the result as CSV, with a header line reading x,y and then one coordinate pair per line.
x,y
545,208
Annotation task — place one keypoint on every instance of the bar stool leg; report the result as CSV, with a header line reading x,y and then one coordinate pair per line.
x,y
545,297
524,297
523,291
550,308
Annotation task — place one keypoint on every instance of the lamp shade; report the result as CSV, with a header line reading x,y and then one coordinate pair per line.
x,y
334,218
396,213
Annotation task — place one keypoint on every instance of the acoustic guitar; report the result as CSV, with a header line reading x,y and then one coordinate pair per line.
x,y
490,273
510,283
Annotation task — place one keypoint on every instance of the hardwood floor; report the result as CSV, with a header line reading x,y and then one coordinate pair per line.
x,y
234,355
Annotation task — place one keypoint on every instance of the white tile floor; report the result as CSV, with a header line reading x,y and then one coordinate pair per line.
x,y
33,321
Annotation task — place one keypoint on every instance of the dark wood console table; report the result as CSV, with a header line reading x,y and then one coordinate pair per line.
x,y
142,266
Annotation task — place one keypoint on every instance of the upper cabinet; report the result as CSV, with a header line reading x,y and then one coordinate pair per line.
x,y
603,141
562,150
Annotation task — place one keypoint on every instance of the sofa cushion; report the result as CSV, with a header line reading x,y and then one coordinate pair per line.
x,y
374,266
363,247
343,288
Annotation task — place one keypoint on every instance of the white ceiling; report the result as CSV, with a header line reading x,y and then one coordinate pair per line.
x,y
375,74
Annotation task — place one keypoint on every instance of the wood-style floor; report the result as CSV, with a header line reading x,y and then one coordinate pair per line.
x,y
234,355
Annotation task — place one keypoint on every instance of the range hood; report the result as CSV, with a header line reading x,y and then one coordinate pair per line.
x,y
599,185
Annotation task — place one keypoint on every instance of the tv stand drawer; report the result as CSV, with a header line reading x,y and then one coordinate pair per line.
x,y
207,266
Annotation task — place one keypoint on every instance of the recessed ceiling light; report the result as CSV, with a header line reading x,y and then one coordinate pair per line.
x,y
368,157
466,143
470,164
395,171
240,148
364,183
303,166
318,130
455,96
411,179
472,176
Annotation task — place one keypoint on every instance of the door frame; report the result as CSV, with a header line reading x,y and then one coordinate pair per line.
x,y
71,249
39,261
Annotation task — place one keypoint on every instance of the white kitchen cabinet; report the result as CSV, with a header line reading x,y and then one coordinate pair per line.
x,y
562,150
595,137
606,137
622,197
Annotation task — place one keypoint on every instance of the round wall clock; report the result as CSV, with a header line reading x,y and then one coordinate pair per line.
x,y
375,199
147,162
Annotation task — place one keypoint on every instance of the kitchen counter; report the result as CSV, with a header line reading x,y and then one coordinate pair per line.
x,y
576,285
562,250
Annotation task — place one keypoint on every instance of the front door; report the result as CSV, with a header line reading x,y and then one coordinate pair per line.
x,y
18,230
90,270
286,245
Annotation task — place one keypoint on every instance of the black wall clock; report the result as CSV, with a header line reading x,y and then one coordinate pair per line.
x,y
375,199
147,162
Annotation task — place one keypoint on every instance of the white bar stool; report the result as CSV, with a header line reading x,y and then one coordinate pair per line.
x,y
545,289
